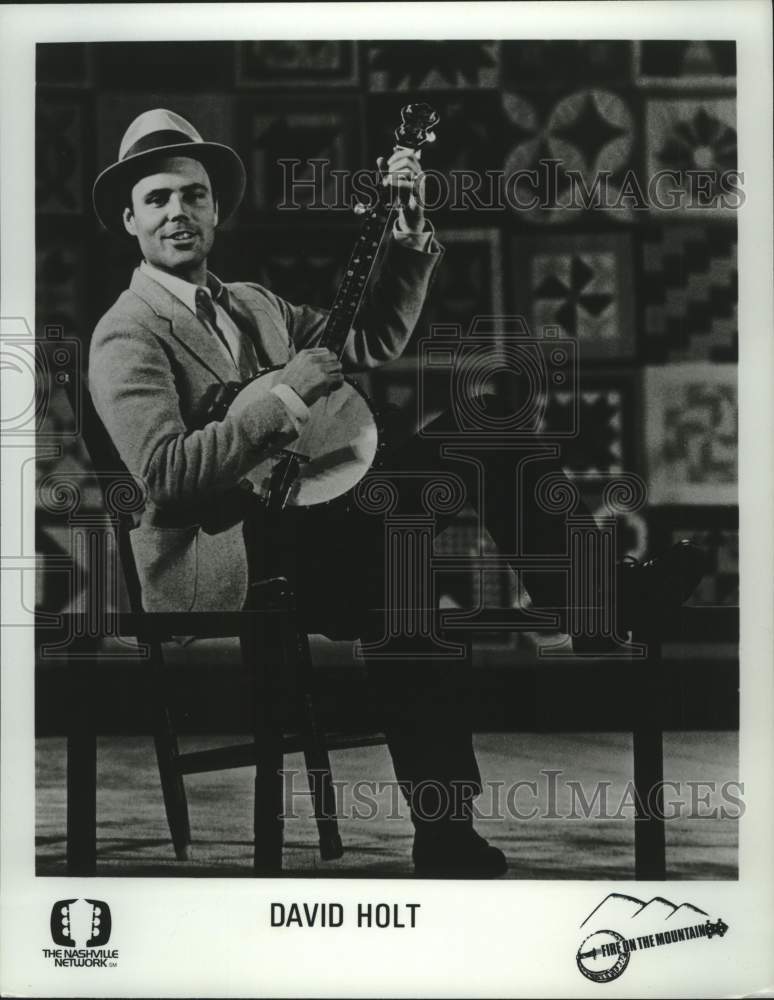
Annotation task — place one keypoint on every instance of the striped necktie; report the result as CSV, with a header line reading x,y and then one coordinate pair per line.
x,y
205,310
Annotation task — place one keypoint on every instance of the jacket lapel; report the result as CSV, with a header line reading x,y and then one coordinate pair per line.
x,y
178,323
270,345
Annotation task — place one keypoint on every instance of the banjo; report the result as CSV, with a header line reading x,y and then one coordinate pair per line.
x,y
339,442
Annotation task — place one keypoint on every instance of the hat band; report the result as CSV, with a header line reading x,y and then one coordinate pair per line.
x,y
157,140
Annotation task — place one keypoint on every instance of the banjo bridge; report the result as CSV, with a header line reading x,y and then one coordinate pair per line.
x,y
296,456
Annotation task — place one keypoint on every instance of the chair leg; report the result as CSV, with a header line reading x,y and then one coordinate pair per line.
x,y
172,787
269,800
81,764
260,657
165,741
317,759
82,804
649,826
268,824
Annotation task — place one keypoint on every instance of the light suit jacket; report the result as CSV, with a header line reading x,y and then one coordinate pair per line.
x,y
151,362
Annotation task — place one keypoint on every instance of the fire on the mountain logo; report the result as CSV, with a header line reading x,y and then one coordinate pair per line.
x,y
622,925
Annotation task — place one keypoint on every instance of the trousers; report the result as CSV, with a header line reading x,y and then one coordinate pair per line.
x,y
336,559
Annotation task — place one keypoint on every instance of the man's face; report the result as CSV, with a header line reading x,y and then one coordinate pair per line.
x,y
174,215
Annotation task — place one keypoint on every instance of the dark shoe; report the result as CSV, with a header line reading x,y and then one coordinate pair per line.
x,y
651,590
456,854
648,592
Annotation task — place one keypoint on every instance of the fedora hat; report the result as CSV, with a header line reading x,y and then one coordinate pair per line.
x,y
153,134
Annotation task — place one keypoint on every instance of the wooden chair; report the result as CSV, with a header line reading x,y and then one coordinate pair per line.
x,y
272,648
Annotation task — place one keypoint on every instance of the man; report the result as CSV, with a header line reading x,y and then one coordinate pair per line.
x,y
176,335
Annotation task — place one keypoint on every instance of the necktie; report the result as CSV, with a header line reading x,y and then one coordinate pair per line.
x,y
205,310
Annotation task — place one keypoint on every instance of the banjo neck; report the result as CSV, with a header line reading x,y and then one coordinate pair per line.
x,y
417,122
358,271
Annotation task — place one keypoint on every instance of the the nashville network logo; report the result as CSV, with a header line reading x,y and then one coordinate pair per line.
x,y
81,928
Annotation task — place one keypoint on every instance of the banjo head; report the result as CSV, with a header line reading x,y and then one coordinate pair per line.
x,y
335,450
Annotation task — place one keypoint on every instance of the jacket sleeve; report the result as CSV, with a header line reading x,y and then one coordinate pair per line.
x,y
387,316
132,384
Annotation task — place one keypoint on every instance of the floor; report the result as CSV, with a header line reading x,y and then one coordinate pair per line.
x,y
560,842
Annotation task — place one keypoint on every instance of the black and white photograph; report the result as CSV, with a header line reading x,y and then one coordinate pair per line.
x,y
382,415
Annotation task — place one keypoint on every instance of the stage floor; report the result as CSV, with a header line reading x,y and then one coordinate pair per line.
x,y
561,842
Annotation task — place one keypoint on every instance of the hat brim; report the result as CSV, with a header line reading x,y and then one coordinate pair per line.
x,y
112,189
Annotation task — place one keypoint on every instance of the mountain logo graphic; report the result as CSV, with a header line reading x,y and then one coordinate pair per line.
x,y
80,923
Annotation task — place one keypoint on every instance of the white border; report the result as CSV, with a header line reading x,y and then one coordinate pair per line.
x,y
192,937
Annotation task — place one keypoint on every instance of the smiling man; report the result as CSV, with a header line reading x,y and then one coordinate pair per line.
x,y
180,191
178,335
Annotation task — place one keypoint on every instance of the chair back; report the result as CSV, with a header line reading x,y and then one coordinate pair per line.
x,y
110,471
